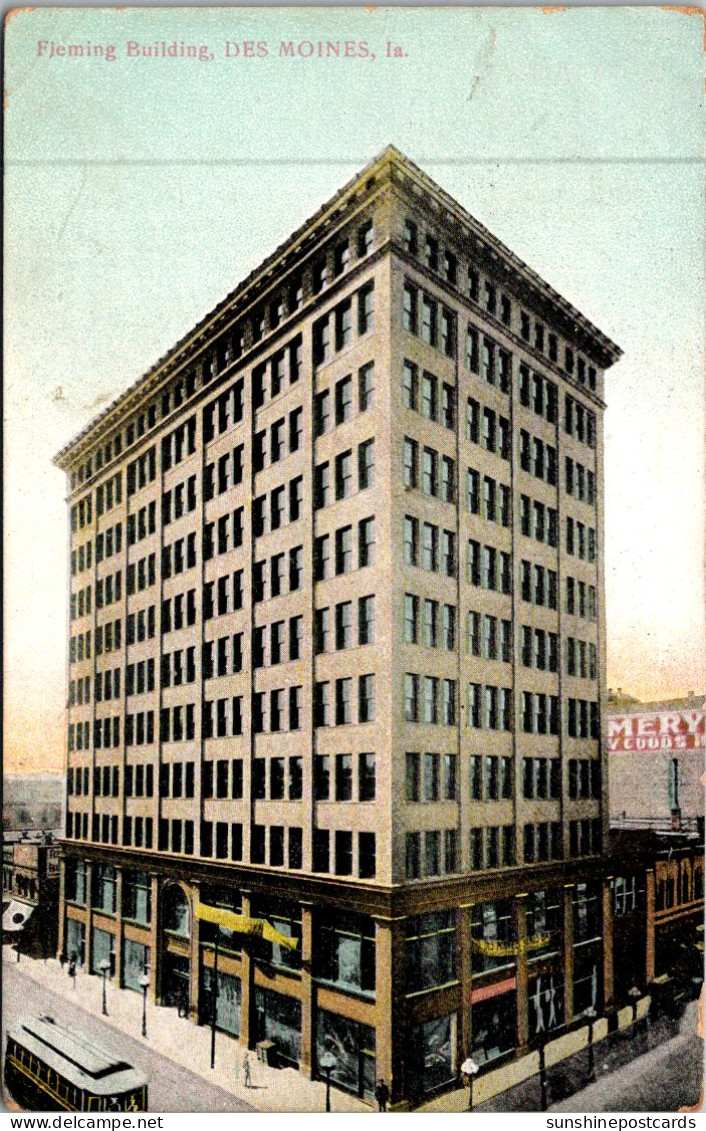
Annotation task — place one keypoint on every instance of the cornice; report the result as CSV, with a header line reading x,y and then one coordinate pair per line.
x,y
382,900
498,253
286,258
394,166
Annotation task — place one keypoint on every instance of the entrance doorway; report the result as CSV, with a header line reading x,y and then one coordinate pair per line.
x,y
175,981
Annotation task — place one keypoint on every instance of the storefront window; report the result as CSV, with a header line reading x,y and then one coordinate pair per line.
x,y
227,1000
493,1027
492,933
76,941
103,951
543,918
434,1045
176,911
546,1002
137,897
287,919
353,1048
104,888
586,913
586,987
230,899
345,952
136,961
429,951
624,895
76,881
279,1019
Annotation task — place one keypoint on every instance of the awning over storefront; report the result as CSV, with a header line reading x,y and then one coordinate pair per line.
x,y
16,915
244,925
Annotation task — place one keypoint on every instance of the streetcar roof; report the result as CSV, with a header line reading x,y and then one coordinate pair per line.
x,y
75,1056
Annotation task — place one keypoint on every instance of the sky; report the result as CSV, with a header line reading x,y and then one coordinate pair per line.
x,y
138,192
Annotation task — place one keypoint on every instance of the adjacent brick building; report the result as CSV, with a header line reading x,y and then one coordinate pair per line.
x,y
30,892
337,652
656,762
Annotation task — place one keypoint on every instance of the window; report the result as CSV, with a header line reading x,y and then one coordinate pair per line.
x,y
366,386
410,460
344,549
411,697
344,400
410,299
413,856
343,701
429,949
429,320
343,850
366,542
366,464
344,475
321,486
366,777
344,777
366,620
322,776
410,237
344,951
366,308
366,698
411,540
322,413
431,853
366,235
341,257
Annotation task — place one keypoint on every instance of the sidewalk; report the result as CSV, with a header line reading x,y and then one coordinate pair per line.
x,y
273,1089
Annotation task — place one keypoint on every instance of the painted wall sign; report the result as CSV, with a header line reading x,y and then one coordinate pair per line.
x,y
666,730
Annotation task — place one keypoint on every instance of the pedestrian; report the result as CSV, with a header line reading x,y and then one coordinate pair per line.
x,y
247,1078
382,1095
72,969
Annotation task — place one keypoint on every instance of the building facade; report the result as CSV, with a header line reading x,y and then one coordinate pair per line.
x,y
658,912
656,762
337,653
30,892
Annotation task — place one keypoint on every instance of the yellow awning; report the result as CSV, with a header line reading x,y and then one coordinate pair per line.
x,y
244,925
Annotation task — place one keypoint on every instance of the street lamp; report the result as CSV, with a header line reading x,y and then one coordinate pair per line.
x,y
104,968
145,984
590,1015
469,1069
327,1061
634,995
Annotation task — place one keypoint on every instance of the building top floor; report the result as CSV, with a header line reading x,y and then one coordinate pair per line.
x,y
390,204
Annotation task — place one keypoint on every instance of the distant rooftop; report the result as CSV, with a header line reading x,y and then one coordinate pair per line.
x,y
619,702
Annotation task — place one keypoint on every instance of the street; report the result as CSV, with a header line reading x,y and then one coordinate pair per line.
x,y
171,1087
666,1078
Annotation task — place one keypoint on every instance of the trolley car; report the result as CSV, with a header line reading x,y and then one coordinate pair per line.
x,y
50,1068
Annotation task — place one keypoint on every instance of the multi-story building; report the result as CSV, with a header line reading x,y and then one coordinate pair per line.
x,y
656,756
658,912
30,892
337,652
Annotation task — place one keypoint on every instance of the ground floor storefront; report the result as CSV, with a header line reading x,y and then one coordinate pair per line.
x,y
401,986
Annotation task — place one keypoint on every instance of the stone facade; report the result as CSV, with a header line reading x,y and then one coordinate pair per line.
x,y
337,577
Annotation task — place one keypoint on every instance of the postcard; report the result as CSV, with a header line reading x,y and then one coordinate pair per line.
x,y
354,673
